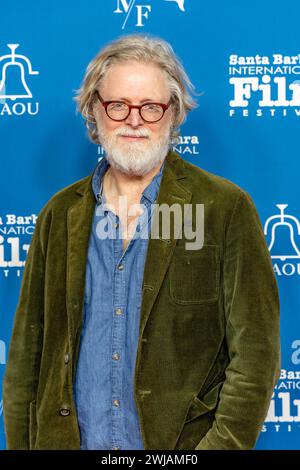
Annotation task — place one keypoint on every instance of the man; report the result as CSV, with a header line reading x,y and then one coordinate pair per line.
x,y
122,341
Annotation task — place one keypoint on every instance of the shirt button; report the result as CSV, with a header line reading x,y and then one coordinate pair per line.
x,y
116,402
66,358
116,356
116,226
119,311
120,267
64,412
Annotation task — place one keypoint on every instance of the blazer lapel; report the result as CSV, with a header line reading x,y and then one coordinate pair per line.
x,y
160,250
79,225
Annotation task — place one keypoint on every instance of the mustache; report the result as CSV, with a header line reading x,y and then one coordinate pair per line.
x,y
131,133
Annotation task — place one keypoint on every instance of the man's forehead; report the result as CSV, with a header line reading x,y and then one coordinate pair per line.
x,y
134,74
136,86
135,99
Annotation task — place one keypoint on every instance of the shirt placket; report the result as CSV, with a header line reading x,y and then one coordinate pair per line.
x,y
118,329
117,337
119,311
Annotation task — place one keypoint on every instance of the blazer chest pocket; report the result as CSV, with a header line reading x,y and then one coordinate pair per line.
x,y
194,275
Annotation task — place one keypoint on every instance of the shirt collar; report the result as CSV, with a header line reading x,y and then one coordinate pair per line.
x,y
150,192
97,177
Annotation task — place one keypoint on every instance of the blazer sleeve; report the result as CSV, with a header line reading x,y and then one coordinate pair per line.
x,y
251,305
22,368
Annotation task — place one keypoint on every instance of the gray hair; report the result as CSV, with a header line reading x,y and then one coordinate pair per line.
x,y
143,48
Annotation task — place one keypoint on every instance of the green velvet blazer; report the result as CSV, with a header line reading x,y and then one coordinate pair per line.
x,y
209,343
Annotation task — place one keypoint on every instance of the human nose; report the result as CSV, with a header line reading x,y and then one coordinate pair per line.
x,y
134,118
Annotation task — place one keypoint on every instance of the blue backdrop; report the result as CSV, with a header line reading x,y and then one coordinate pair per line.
x,y
244,57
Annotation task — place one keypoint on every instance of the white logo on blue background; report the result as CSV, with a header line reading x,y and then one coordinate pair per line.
x,y
141,12
283,225
180,3
263,85
15,64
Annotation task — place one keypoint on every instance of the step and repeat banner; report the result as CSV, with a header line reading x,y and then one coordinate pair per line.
x,y
244,59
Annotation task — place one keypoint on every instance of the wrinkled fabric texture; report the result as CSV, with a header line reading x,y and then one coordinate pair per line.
x,y
208,353
103,391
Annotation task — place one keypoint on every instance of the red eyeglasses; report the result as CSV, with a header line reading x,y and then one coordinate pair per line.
x,y
119,111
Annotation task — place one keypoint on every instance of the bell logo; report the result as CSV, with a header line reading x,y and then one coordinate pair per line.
x,y
286,223
283,230
15,60
14,69
141,11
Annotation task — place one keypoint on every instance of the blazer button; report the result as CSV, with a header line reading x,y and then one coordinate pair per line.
x,y
64,412
66,358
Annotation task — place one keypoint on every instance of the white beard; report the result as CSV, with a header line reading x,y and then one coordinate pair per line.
x,y
134,157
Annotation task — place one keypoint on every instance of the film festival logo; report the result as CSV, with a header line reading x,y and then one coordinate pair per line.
x,y
183,144
264,85
15,70
284,409
283,231
138,11
186,145
13,248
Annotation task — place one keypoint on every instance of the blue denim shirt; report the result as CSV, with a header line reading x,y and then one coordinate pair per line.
x,y
103,386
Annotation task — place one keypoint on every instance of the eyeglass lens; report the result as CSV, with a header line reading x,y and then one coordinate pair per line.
x,y
149,112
